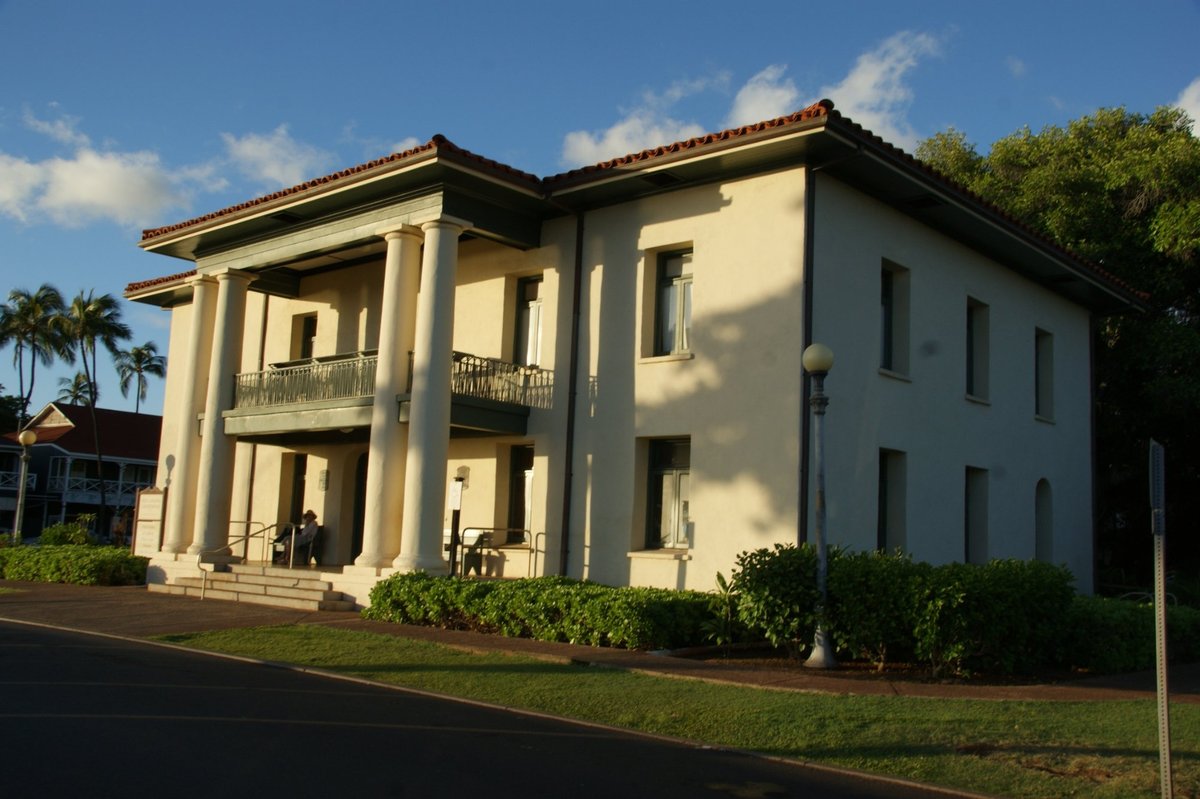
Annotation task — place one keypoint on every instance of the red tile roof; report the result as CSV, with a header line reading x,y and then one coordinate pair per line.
x,y
439,145
178,277
823,109
123,435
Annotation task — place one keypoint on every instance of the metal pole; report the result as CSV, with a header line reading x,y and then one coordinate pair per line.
x,y
1158,527
822,653
24,476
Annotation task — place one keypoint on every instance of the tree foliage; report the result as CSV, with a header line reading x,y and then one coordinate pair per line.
x,y
1121,190
134,365
30,323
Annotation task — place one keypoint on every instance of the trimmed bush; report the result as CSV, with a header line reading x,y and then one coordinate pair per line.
x,y
873,601
1003,617
547,609
777,594
1114,635
73,563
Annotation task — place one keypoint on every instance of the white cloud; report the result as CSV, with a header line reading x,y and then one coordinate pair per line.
x,y
127,188
1016,66
275,159
406,144
19,182
62,130
92,184
765,96
1189,101
648,125
875,94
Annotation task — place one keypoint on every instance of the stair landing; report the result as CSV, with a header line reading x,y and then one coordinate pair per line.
x,y
299,588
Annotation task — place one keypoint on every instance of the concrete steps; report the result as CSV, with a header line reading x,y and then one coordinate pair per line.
x,y
278,586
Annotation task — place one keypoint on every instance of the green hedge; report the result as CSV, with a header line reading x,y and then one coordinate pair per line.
x,y
72,563
1115,635
547,609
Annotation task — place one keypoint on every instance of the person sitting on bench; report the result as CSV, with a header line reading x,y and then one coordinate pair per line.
x,y
283,541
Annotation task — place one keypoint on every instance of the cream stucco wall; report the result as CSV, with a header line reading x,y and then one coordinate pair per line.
x,y
925,413
735,396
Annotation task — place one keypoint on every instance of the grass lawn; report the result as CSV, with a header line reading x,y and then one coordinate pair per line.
x,y
1018,749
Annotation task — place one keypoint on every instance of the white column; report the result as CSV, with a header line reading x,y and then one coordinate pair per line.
x,y
429,413
193,364
389,438
214,488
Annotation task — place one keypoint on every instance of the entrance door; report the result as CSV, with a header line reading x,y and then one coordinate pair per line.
x,y
520,491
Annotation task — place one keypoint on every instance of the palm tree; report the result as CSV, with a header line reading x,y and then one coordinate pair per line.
x,y
76,391
29,321
139,362
89,321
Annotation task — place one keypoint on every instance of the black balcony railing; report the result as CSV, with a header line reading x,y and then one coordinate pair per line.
x,y
316,381
492,379
353,376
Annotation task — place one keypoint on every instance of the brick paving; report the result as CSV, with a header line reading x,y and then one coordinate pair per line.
x,y
133,612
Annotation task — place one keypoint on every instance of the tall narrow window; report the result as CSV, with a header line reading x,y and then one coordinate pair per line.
x,y
527,349
893,318
520,487
890,534
670,494
673,303
1043,374
977,349
304,333
975,516
1044,522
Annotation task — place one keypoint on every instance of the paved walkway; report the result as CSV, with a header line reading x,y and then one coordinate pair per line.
x,y
134,612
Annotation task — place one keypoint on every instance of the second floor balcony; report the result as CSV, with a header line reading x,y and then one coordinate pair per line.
x,y
12,481
336,392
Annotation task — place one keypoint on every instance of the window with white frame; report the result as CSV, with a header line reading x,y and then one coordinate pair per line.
x,y
527,349
673,304
668,513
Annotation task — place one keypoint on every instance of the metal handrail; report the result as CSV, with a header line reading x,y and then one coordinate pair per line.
x,y
261,531
533,551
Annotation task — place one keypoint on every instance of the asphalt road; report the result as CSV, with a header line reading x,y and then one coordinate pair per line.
x,y
89,716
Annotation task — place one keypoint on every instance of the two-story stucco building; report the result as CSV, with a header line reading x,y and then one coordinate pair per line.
x,y
610,357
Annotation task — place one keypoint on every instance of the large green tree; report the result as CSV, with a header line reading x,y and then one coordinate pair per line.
x,y
1122,190
93,322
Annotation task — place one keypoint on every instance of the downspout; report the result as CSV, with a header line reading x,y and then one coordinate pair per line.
x,y
810,185
810,216
572,394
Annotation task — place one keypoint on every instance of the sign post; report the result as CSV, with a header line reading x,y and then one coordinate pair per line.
x,y
148,521
1158,527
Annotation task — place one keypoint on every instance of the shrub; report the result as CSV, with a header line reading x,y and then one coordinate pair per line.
x,y
873,598
546,608
1006,616
777,594
75,532
73,563
1115,635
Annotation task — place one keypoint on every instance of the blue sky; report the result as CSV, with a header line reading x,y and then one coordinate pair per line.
x,y
120,115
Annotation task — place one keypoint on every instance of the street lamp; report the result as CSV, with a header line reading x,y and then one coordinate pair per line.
x,y
27,438
817,361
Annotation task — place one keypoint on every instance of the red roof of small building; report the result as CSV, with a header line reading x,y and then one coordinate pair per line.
x,y
123,435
